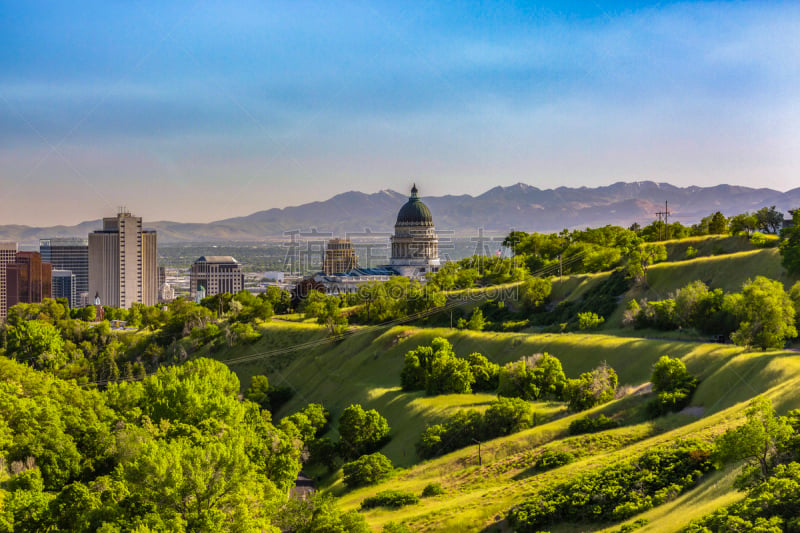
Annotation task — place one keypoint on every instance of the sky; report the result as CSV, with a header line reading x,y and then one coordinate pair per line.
x,y
201,111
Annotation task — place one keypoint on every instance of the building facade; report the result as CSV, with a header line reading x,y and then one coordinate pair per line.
x,y
123,263
65,285
215,274
415,246
69,254
8,253
28,280
339,257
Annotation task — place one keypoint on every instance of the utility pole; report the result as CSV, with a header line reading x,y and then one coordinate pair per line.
x,y
665,213
480,459
560,270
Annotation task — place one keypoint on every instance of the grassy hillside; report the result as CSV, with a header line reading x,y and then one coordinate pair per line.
x,y
365,368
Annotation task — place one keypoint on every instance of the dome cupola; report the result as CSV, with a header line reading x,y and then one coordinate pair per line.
x,y
414,212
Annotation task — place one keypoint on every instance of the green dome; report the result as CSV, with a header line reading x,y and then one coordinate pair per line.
x,y
414,212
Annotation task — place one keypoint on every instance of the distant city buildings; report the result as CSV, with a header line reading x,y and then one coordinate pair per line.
x,y
70,254
339,257
123,262
65,286
215,274
8,253
28,280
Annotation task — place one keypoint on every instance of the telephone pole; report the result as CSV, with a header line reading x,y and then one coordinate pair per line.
x,y
665,213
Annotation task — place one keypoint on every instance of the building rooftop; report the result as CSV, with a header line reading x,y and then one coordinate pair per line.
x,y
217,259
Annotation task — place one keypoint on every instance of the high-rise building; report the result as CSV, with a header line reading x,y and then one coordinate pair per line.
x,y
70,254
339,257
65,286
123,260
215,274
28,280
8,253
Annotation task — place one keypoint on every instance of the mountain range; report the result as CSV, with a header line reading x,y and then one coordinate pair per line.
x,y
498,210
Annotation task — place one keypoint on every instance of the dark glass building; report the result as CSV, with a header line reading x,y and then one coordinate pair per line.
x,y
28,279
69,254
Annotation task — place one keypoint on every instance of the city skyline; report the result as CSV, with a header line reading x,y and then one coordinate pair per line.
x,y
158,106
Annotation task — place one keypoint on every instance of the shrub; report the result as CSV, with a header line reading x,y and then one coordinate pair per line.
x,y
362,431
592,388
532,378
589,320
550,459
366,470
392,499
592,424
394,527
674,386
432,489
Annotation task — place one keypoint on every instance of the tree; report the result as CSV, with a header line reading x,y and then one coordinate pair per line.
x,y
589,320
767,315
673,384
769,219
476,321
758,440
36,342
532,378
640,258
790,245
743,223
366,470
361,431
534,291
326,309
592,388
717,224
485,372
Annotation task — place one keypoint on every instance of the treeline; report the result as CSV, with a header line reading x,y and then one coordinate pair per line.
x,y
762,315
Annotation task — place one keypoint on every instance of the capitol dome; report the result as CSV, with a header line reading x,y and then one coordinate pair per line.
x,y
414,212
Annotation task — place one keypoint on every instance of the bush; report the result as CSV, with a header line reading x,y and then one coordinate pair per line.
x,y
589,320
532,378
592,388
432,489
592,424
362,431
394,527
366,470
618,491
393,499
674,386
550,459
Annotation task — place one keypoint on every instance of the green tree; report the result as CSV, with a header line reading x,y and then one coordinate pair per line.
x,y
758,440
361,431
535,291
640,259
589,320
767,313
485,372
769,219
36,342
326,309
717,224
532,378
790,244
476,321
592,388
366,470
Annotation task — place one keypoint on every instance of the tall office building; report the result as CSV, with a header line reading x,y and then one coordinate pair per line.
x,y
28,279
215,274
8,253
73,255
339,257
123,260
65,286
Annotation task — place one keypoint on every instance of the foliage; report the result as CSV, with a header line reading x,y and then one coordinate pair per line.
x,y
549,459
476,321
673,384
534,291
486,373
36,341
592,424
767,313
362,432
393,499
503,417
618,491
366,470
589,320
399,297
532,378
640,258
758,440
432,489
326,309
318,514
592,388
438,370
790,245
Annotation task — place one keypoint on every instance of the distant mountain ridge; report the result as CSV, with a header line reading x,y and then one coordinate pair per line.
x,y
500,209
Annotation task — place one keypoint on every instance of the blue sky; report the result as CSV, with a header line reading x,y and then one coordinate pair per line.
x,y
199,111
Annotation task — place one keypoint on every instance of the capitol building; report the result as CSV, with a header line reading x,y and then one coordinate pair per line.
x,y
414,252
415,247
